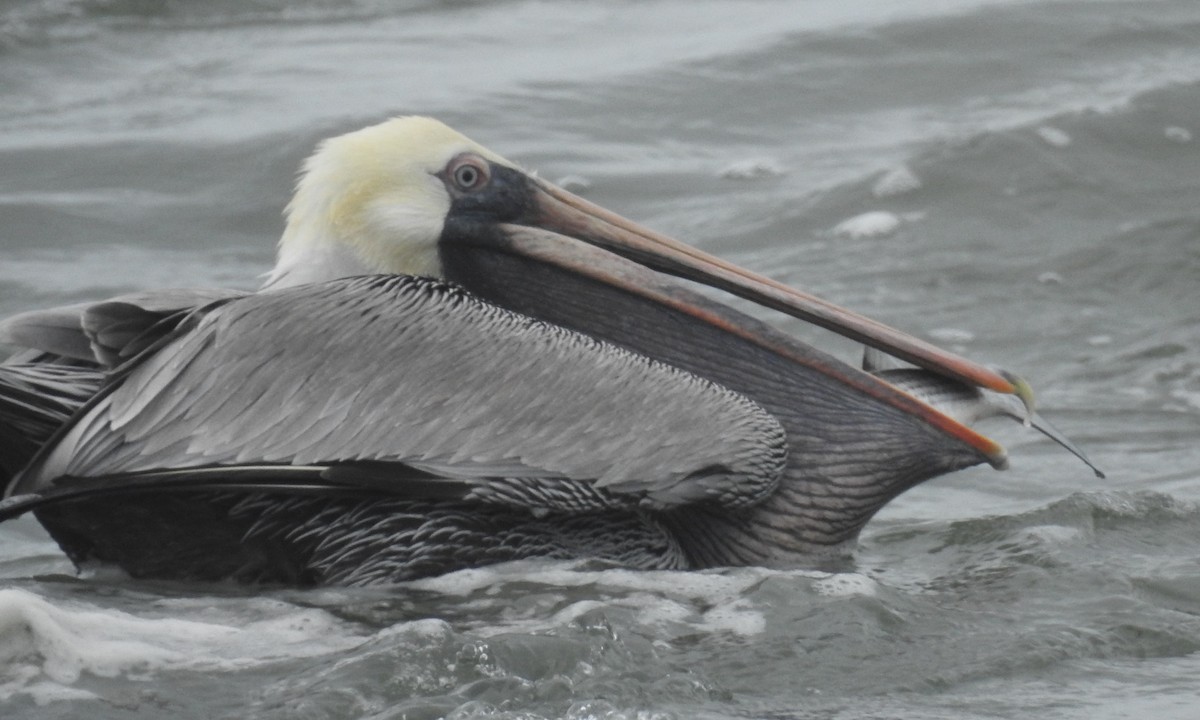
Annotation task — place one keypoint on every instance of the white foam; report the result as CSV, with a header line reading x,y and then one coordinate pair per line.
x,y
753,169
737,617
688,584
656,611
870,224
1053,136
846,585
734,615
1178,134
577,610
670,601
426,630
45,647
43,692
952,335
574,183
1054,535
898,181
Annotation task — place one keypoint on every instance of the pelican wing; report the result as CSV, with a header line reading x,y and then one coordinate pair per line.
x,y
65,355
102,332
401,384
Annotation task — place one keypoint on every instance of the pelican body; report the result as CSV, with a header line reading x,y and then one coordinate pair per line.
x,y
454,363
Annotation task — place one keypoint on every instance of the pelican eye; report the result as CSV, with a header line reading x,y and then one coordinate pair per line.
x,y
469,173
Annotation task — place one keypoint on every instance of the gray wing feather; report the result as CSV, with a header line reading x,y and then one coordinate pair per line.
x,y
412,371
57,331
102,331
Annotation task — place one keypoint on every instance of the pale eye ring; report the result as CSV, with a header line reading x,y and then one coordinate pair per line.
x,y
469,174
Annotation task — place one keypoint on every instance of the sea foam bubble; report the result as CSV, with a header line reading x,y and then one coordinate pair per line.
x,y
45,646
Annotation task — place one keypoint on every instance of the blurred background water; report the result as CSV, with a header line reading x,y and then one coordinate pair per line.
x,y
1016,180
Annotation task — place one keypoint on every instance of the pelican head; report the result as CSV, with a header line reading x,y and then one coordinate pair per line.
x,y
412,196
376,201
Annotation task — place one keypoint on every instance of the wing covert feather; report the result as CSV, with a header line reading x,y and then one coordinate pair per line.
x,y
103,332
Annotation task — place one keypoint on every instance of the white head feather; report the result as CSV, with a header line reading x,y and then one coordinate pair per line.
x,y
369,202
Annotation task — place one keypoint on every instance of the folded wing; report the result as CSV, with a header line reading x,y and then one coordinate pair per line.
x,y
411,386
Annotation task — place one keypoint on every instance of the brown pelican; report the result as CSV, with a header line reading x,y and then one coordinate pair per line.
x,y
455,363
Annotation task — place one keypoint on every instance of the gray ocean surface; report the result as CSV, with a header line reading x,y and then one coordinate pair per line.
x,y
1018,181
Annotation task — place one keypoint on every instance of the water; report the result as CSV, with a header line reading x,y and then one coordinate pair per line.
x,y
1016,180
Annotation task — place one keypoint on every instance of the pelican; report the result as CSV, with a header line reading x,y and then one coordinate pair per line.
x,y
455,363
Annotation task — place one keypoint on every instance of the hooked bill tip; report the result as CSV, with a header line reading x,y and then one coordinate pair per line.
x,y
1024,392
